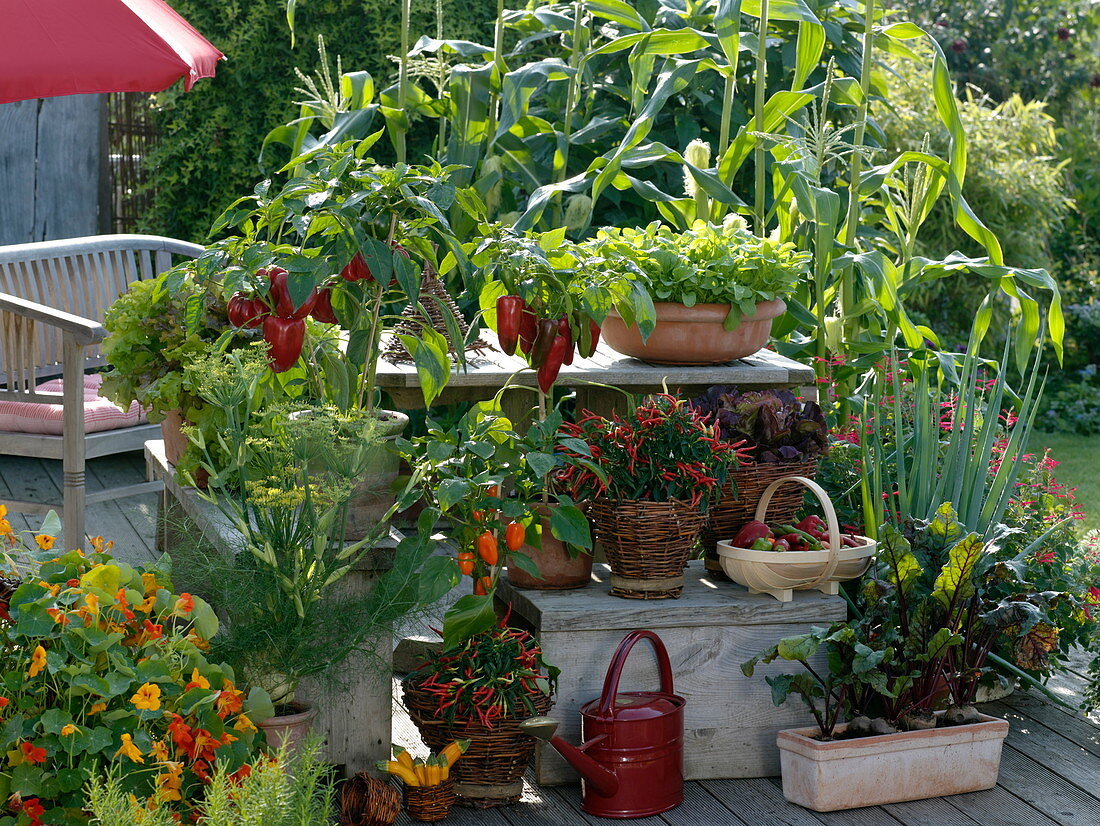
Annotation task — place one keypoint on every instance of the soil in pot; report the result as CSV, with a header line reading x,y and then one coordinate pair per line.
x,y
560,571
290,725
694,335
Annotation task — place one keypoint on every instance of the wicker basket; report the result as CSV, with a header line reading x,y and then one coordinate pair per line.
x,y
430,803
367,801
490,772
737,501
647,544
781,573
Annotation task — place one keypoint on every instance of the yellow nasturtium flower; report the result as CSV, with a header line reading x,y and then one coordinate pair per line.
x,y
160,751
38,661
66,730
128,749
244,724
197,681
147,697
44,541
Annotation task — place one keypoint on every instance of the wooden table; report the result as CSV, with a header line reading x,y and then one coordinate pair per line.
x,y
600,381
730,721
355,724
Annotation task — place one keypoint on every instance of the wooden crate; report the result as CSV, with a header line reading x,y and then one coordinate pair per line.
x,y
730,721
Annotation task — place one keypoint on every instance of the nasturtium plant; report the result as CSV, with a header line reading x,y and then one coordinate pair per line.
x,y
102,668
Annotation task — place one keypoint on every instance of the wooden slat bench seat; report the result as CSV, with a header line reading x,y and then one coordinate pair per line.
x,y
53,298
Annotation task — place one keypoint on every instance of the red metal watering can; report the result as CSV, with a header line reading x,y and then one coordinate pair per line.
x,y
631,759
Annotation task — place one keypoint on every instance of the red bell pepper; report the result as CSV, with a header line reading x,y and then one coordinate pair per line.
x,y
510,310
239,310
285,337
566,332
257,313
280,296
750,533
794,542
356,269
322,307
544,339
528,329
548,370
781,545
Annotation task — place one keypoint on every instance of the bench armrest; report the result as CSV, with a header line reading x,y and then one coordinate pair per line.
x,y
83,330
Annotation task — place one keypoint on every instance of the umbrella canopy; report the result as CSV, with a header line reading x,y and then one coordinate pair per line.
x,y
68,47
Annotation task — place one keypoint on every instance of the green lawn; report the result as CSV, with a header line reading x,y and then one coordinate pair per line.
x,y
1079,457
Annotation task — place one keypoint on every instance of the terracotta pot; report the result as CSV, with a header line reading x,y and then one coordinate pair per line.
x,y
889,768
291,729
374,494
560,571
175,443
694,335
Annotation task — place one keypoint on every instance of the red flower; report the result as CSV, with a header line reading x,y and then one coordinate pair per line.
x,y
33,809
32,753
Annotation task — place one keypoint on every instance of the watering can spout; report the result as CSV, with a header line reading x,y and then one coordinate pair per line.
x,y
601,779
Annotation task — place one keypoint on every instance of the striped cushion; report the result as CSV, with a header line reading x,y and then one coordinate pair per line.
x,y
99,413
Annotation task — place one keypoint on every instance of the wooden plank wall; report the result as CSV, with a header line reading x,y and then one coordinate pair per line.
x,y
53,169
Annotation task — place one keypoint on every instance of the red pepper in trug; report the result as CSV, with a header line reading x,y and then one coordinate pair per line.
x,y
509,312
548,370
285,337
750,533
544,338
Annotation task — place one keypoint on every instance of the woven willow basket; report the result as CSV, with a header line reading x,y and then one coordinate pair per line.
x,y
736,503
430,803
647,544
367,801
490,772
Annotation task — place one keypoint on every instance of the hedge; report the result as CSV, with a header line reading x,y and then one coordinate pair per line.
x,y
210,137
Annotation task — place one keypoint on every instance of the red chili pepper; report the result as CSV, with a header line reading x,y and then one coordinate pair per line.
x,y
322,307
548,370
528,329
487,548
483,585
280,296
590,337
566,332
544,339
514,535
285,337
509,314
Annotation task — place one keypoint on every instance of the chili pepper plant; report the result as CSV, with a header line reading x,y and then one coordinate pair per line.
x,y
482,476
491,675
662,451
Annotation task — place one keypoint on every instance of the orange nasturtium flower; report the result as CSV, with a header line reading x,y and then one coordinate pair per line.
x,y
160,751
68,729
244,724
5,525
147,697
38,661
33,753
197,681
96,708
45,542
185,604
92,600
128,749
168,784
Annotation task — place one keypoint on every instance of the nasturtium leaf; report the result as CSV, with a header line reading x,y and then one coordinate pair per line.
x,y
258,705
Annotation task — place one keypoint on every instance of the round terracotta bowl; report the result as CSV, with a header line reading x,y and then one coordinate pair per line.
x,y
694,335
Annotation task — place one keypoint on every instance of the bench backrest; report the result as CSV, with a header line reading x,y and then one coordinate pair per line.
x,y
81,276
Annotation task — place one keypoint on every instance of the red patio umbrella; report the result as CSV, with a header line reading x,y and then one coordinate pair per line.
x,y
68,47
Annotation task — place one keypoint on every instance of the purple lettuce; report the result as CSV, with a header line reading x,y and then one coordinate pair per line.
x,y
780,427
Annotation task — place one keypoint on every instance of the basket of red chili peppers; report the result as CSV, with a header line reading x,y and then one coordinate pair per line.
x,y
779,559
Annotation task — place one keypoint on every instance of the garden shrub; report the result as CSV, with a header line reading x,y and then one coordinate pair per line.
x,y
1041,50
210,137
1074,406
102,665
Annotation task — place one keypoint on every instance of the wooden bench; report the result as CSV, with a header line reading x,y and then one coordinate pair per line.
x,y
53,298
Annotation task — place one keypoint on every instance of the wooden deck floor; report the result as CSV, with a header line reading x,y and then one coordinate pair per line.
x,y
1050,772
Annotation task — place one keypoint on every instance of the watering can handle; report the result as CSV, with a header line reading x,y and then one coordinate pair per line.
x,y
611,682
